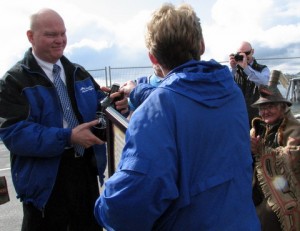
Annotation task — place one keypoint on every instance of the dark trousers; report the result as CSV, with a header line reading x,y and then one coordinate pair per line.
x,y
268,219
71,204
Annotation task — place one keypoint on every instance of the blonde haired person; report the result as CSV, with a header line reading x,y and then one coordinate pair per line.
x,y
186,164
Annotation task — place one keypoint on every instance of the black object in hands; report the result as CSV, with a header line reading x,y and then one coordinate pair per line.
x,y
238,57
99,130
107,101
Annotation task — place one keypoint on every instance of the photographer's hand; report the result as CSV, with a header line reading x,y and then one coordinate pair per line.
x,y
244,63
232,61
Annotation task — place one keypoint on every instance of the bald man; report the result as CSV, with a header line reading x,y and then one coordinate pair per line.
x,y
52,158
249,75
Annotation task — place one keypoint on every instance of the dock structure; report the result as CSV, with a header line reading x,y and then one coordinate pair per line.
x,y
292,86
293,90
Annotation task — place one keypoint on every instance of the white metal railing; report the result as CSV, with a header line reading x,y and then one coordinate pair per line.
x,y
293,91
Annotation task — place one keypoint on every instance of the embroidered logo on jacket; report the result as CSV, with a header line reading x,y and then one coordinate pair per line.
x,y
86,89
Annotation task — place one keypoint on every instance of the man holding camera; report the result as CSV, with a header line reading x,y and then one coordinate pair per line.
x,y
48,106
249,75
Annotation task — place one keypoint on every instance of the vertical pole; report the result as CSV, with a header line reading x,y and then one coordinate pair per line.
x,y
106,76
109,75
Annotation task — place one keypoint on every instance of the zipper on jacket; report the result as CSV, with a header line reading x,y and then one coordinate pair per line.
x,y
43,212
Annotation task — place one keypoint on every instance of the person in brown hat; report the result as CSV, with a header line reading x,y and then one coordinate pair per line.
x,y
275,146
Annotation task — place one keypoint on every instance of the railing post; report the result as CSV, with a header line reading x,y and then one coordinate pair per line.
x,y
297,90
288,90
106,76
109,75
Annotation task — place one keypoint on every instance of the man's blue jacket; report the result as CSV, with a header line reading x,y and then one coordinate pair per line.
x,y
31,124
186,164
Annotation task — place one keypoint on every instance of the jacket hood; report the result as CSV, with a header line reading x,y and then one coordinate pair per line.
x,y
207,82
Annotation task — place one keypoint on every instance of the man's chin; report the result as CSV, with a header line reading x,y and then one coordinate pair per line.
x,y
269,121
58,54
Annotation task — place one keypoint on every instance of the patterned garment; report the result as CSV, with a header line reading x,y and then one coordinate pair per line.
x,y
277,169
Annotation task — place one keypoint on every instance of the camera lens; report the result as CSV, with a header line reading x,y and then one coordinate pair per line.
x,y
238,57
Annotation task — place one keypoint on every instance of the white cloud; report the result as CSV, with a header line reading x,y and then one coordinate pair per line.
x,y
281,35
96,45
272,26
127,35
131,33
117,28
234,21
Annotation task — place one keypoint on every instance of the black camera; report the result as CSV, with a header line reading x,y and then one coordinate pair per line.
x,y
107,101
99,130
238,57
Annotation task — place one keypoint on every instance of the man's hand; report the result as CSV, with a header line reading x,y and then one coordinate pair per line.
x,y
82,135
127,87
121,102
244,63
255,145
232,61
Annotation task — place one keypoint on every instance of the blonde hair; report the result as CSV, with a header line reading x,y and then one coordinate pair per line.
x,y
173,35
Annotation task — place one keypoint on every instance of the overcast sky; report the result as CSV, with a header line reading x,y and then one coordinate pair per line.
x,y
111,33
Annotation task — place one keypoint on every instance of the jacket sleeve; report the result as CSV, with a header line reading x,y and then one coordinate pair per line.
x,y
140,93
259,78
19,131
145,183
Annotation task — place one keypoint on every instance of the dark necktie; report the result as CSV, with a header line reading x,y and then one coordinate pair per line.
x,y
69,114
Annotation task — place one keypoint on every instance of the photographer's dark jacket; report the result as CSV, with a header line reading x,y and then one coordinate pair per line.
x,y
30,113
249,88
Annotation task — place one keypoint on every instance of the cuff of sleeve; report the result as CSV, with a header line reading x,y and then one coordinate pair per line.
x,y
130,105
247,71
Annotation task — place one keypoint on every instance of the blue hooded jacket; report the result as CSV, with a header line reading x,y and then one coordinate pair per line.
x,y
186,164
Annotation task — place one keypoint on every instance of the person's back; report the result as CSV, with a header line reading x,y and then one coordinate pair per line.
x,y
186,164
214,148
212,163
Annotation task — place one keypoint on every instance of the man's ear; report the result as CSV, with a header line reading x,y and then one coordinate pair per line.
x,y
29,34
202,47
152,59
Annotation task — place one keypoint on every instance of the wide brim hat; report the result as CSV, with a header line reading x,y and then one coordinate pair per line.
x,y
270,93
